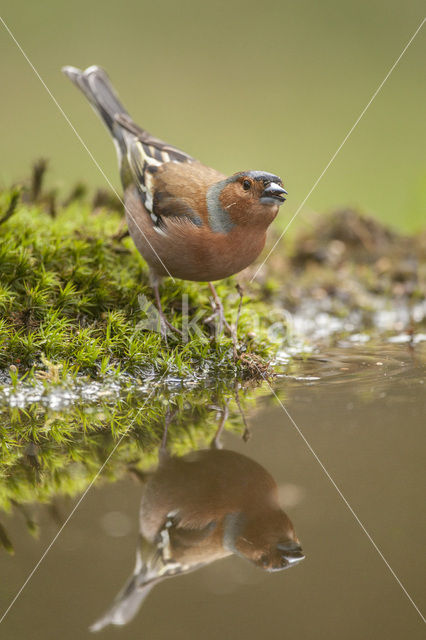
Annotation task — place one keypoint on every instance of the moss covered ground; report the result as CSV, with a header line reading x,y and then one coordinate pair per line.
x,y
85,381
74,292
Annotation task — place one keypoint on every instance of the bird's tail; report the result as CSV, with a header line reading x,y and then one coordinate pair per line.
x,y
95,85
149,570
126,604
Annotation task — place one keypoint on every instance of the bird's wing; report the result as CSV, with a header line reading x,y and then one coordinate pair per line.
x,y
180,191
151,567
145,155
159,203
171,183
126,604
155,148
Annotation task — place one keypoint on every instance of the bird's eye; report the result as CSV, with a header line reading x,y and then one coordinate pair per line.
x,y
246,185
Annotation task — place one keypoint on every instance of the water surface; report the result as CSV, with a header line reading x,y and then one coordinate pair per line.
x,y
362,412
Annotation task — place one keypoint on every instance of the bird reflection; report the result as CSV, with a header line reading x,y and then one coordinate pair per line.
x,y
198,508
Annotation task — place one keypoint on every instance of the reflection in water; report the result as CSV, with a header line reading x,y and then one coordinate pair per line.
x,y
378,414
198,508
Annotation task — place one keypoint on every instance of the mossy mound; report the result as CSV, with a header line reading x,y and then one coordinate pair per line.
x,y
348,265
74,292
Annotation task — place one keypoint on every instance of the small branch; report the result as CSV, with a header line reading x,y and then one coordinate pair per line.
x,y
39,170
12,205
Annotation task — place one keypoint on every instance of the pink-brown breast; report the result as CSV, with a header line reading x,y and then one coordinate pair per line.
x,y
182,249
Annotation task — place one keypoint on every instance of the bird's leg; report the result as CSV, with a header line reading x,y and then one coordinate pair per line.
x,y
215,443
234,332
240,304
219,310
247,433
163,446
164,323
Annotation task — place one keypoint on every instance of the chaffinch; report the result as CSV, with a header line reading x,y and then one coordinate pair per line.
x,y
187,220
199,508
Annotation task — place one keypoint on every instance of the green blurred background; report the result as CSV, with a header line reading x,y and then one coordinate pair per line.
x,y
239,85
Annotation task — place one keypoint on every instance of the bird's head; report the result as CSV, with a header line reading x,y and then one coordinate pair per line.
x,y
267,539
252,197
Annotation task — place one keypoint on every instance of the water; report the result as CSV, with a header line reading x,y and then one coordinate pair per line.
x,y
358,419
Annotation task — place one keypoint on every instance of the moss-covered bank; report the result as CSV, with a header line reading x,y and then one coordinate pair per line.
x,y
84,376
74,292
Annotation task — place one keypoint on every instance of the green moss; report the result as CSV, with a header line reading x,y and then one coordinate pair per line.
x,y
76,294
48,453
75,307
74,304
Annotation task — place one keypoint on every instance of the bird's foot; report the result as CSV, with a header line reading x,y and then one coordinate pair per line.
x,y
167,420
218,321
231,329
165,325
216,443
247,433
168,326
218,313
234,333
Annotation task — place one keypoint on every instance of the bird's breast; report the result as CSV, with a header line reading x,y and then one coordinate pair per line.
x,y
209,256
183,250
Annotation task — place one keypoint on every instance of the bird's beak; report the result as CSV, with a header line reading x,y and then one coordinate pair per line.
x,y
291,552
272,193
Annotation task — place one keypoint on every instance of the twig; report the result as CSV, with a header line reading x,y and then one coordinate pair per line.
x,y
12,206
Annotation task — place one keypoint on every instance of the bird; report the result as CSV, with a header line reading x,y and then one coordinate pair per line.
x,y
189,221
196,509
